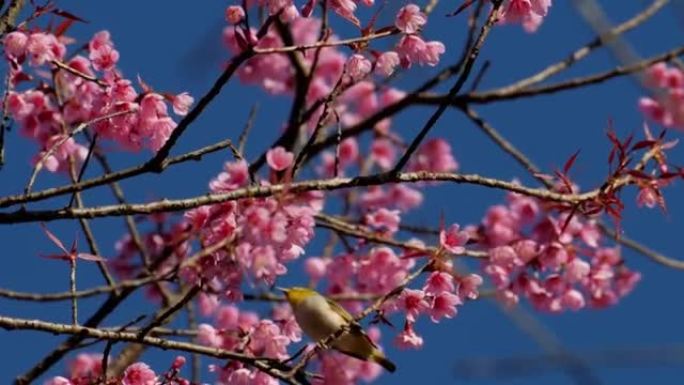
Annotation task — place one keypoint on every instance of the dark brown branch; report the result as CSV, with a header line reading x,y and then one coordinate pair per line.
x,y
157,163
469,61
63,296
195,155
9,17
518,93
167,205
262,364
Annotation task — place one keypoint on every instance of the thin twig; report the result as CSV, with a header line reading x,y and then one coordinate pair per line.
x,y
323,44
471,56
9,17
357,231
50,151
67,295
195,155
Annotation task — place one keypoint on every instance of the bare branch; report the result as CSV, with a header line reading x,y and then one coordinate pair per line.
x,y
295,188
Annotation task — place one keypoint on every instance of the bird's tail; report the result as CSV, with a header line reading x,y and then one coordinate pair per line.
x,y
380,359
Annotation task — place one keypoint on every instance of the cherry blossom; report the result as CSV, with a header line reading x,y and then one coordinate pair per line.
x,y
257,221
453,239
139,374
279,159
235,14
529,13
666,107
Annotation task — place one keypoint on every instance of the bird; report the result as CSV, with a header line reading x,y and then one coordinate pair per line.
x,y
320,317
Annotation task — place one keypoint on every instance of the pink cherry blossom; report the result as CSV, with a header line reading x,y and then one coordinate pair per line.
x,y
529,13
434,155
468,286
413,49
439,281
453,239
386,63
383,153
208,335
316,268
279,159
104,58
86,365
235,14
576,270
182,103
404,197
358,67
430,56
346,9
59,380
408,339
625,281
44,47
178,363
349,151
413,302
207,303
378,271
444,305
410,19
384,219
504,256
15,44
266,340
139,374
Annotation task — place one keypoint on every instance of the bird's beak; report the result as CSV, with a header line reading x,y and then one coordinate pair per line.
x,y
284,290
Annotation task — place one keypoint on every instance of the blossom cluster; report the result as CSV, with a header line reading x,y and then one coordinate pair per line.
x,y
666,107
86,369
243,331
439,297
529,13
67,91
380,271
261,234
557,261
276,74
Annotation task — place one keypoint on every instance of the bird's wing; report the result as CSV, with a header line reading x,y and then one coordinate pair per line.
x,y
355,328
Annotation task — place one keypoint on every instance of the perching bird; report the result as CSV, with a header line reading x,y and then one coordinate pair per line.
x,y
319,317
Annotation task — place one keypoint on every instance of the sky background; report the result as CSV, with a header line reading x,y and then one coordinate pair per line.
x,y
176,46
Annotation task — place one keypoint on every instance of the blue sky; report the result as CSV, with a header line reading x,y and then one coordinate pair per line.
x,y
175,46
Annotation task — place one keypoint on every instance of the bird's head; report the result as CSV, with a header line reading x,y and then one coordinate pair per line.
x,y
295,295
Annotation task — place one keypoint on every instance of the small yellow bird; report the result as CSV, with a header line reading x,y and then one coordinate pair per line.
x,y
320,317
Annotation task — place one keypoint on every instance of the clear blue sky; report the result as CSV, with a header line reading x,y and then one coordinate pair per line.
x,y
175,46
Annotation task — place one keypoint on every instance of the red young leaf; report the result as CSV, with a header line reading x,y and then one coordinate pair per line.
x,y
369,26
68,15
570,162
643,144
616,145
146,88
242,42
61,257
307,9
568,219
670,175
63,27
662,134
639,174
461,8
565,180
627,142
